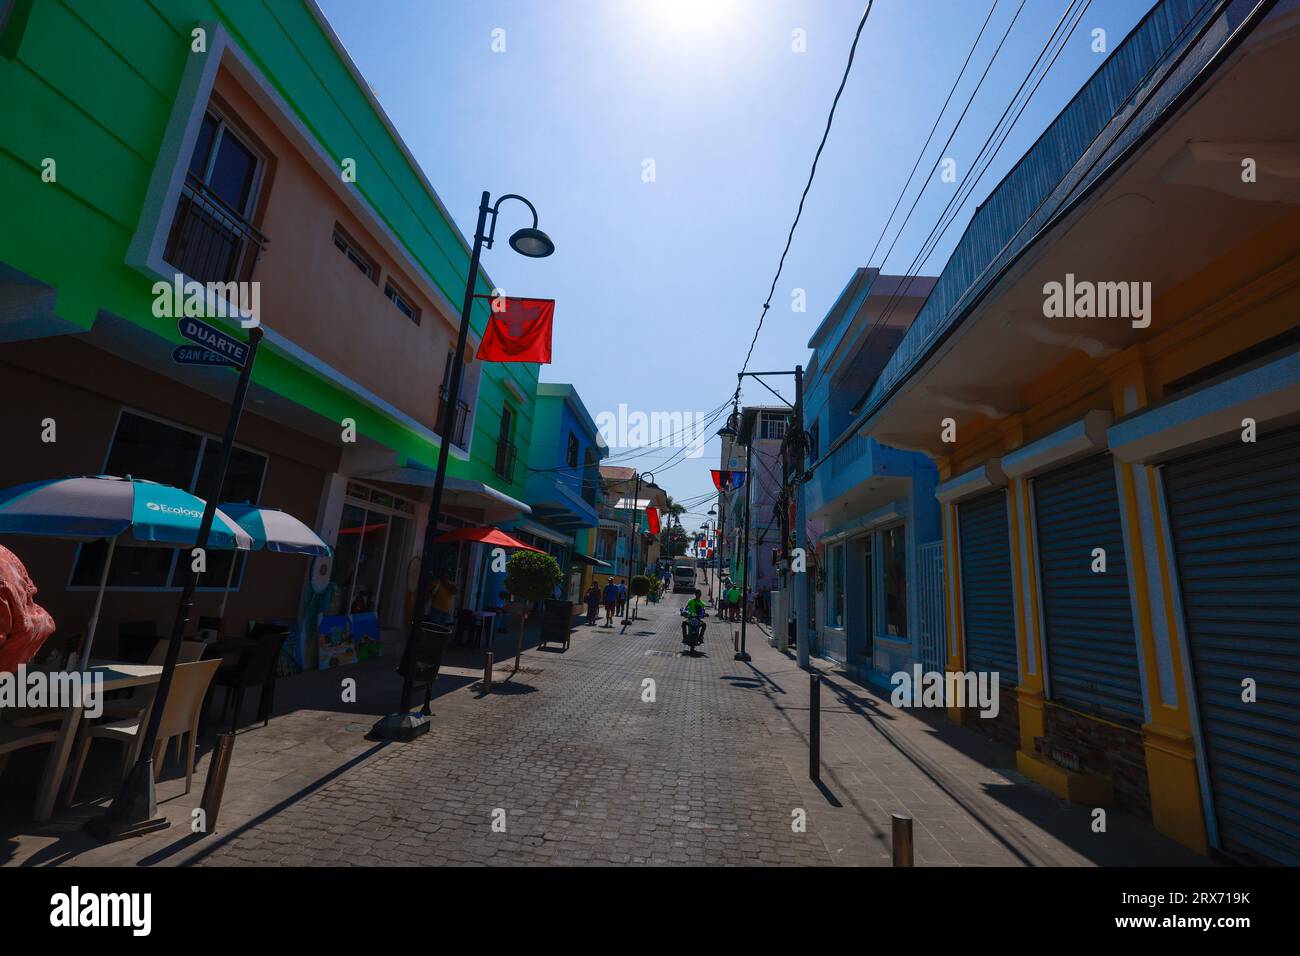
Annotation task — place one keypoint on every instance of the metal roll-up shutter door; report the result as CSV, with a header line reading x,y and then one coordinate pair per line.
x,y
1092,662
987,613
1234,514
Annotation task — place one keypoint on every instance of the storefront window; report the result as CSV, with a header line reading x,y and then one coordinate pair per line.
x,y
372,566
835,583
893,553
145,447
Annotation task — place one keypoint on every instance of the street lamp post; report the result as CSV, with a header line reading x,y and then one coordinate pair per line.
x,y
703,560
531,242
720,512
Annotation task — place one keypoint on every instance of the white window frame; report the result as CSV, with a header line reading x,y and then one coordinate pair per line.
x,y
352,251
771,420
224,126
394,294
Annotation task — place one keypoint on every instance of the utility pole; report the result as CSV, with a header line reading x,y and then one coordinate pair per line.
x,y
799,580
742,654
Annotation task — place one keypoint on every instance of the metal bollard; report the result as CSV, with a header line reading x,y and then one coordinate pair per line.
x,y
902,840
215,785
814,726
488,659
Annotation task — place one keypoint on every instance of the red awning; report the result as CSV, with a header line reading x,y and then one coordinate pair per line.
x,y
486,536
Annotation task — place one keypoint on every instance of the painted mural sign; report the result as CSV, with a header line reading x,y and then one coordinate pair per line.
x,y
347,639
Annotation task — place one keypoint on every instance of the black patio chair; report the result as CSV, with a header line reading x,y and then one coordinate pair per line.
x,y
135,640
466,627
255,668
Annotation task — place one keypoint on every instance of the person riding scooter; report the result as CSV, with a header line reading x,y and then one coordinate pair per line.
x,y
693,626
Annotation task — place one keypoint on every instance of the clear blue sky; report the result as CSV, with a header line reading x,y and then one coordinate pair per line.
x,y
659,284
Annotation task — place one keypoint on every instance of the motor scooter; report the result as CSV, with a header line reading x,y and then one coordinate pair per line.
x,y
692,632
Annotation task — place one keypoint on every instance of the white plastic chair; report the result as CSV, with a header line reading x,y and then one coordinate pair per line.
x,y
180,717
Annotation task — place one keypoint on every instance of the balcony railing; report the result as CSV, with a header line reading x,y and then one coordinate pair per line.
x,y
506,455
459,417
209,241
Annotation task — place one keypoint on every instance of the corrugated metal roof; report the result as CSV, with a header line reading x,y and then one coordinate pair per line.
x,y
1065,161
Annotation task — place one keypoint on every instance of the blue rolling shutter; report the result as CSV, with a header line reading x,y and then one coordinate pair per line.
x,y
1234,514
987,613
1092,660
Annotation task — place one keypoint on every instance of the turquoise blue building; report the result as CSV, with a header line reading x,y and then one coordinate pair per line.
x,y
563,484
871,518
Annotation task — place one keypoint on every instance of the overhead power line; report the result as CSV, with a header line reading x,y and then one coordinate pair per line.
x,y
830,118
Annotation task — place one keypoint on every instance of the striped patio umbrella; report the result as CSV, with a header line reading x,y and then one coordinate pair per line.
x,y
104,506
272,530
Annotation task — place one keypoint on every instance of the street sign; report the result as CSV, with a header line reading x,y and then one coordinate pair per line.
x,y
197,355
200,333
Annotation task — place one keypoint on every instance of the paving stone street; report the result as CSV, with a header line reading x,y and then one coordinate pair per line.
x,y
574,767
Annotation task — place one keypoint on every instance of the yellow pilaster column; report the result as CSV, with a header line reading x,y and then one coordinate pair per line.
x,y
1029,692
1029,689
952,579
1173,781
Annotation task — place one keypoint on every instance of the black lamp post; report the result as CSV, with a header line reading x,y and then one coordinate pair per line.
x,y
716,538
535,244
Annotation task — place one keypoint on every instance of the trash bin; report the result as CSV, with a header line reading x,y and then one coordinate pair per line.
x,y
420,662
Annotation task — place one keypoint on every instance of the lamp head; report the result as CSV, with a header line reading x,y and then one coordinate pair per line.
x,y
532,243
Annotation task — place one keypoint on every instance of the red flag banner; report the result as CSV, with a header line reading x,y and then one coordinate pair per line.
x,y
519,332
652,520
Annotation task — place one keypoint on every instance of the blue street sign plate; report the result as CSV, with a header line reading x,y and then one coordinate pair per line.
x,y
229,348
197,355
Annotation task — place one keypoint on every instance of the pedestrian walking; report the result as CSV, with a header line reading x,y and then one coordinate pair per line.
x,y
611,601
622,598
733,603
592,597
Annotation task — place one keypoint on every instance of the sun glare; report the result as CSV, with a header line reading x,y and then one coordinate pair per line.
x,y
684,17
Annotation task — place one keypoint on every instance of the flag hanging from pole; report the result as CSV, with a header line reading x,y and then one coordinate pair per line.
x,y
518,330
652,520
725,480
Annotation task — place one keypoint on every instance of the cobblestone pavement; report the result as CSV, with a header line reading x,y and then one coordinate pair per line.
x,y
584,769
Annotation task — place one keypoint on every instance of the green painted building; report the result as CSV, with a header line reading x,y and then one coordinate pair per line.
x,y
231,151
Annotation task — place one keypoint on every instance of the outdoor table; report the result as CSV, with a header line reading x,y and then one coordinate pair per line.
x,y
116,677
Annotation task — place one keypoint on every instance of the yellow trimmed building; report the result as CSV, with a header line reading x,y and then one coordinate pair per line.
x,y
1107,375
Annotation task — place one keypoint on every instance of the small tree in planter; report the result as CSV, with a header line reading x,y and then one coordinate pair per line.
x,y
530,576
640,588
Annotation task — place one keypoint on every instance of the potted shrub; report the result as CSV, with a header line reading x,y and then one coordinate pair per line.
x,y
640,587
530,576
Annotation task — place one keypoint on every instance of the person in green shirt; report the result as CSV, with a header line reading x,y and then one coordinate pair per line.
x,y
694,609
733,601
